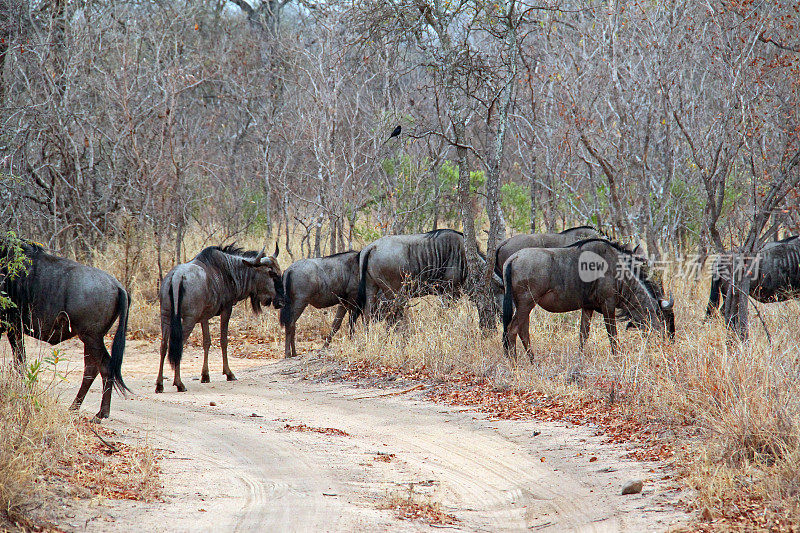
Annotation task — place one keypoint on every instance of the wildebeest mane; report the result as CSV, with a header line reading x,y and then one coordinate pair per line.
x,y
576,228
436,232
616,245
341,253
646,282
211,255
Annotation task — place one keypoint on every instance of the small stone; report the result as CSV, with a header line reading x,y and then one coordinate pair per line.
x,y
212,404
633,486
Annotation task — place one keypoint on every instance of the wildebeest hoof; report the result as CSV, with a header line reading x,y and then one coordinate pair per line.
x,y
181,387
75,406
205,378
159,388
231,377
98,418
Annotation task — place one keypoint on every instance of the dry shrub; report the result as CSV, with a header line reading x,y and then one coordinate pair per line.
x,y
735,408
408,505
36,434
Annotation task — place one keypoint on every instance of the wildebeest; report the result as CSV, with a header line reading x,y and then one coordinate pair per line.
x,y
207,286
775,274
398,267
590,275
320,282
515,243
56,299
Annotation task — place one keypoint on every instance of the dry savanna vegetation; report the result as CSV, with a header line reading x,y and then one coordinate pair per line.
x,y
48,454
133,135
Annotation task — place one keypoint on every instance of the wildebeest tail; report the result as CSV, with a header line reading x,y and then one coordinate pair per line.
x,y
713,298
361,301
285,316
508,300
118,346
175,326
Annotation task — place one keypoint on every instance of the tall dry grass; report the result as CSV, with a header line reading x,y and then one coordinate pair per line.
x,y
735,408
36,434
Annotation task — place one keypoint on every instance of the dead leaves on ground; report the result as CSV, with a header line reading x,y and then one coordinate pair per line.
x,y
326,431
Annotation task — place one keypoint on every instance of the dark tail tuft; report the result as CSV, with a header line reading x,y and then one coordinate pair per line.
x,y
118,346
713,298
362,288
175,327
285,316
508,302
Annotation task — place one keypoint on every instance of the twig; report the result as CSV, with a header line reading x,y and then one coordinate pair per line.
x,y
393,393
758,314
111,447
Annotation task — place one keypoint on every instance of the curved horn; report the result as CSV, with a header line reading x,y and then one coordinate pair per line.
x,y
260,255
668,304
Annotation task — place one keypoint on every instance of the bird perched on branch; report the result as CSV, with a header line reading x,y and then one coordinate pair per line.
x,y
395,132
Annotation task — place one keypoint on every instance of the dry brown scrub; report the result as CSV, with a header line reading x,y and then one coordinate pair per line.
x,y
728,413
45,452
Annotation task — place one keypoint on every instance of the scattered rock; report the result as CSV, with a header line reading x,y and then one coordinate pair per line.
x,y
633,486
254,415
536,433
592,459
212,404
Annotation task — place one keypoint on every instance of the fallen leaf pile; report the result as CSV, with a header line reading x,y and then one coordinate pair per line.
x,y
409,509
114,470
326,431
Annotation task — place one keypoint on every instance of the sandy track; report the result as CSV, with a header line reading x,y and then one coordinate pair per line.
x,y
227,470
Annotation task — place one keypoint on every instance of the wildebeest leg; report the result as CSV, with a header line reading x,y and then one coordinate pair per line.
x,y
204,375
352,321
104,362
164,344
525,333
224,318
90,369
17,347
521,315
586,323
188,326
337,323
611,328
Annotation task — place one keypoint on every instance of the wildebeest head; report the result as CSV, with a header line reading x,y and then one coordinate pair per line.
x,y
648,306
268,286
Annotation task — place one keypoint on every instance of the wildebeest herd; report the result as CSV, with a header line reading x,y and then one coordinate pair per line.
x,y
55,299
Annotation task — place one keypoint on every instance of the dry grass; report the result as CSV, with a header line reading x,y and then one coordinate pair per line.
x,y
735,408
36,434
46,451
408,505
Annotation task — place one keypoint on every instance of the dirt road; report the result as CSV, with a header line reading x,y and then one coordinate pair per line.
x,y
235,466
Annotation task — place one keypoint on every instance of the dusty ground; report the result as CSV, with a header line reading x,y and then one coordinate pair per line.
x,y
236,466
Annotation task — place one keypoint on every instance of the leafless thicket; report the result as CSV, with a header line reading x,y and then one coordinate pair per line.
x,y
676,122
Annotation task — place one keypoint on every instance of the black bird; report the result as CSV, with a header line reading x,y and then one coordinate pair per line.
x,y
395,133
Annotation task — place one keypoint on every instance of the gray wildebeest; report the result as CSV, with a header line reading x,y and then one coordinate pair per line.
x,y
207,286
775,275
56,299
590,275
398,267
320,282
515,243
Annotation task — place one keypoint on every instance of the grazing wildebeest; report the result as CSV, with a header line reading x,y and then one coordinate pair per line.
x,y
775,274
515,243
590,275
399,267
321,282
56,299
207,286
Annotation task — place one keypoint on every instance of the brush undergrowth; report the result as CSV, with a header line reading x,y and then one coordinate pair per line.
x,y
736,407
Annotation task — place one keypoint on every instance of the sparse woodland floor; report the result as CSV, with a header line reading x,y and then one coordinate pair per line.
x,y
714,420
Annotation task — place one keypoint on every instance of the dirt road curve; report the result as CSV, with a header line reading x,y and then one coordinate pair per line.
x,y
236,467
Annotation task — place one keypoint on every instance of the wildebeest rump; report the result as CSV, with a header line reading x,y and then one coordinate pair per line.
x,y
398,267
550,277
207,286
514,244
775,274
56,299
320,282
